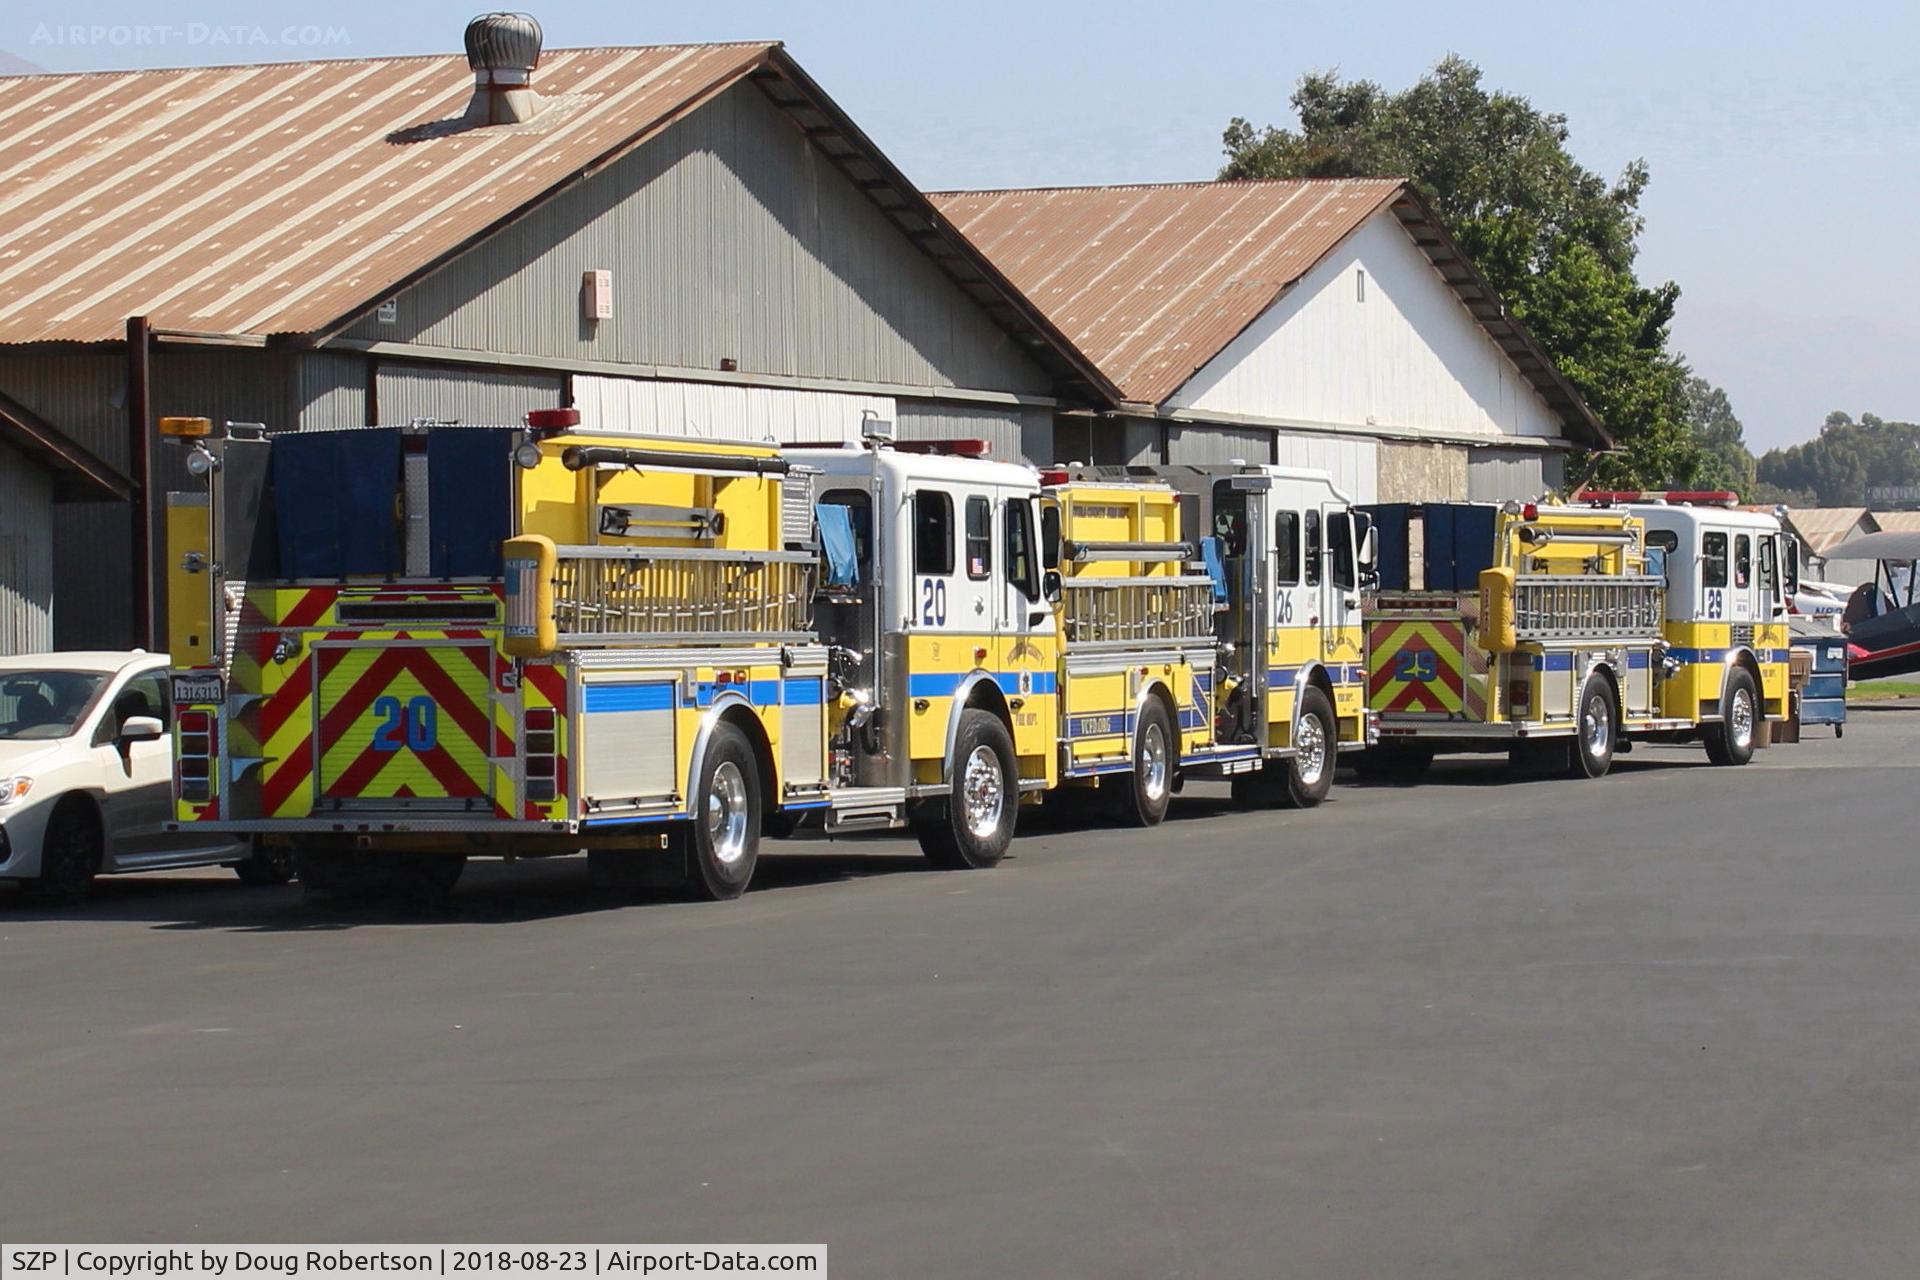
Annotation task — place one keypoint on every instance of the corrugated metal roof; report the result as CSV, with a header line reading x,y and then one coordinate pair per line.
x,y
1822,527
1898,521
259,200
1153,281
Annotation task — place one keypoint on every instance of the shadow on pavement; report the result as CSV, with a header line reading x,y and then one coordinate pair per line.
x,y
489,892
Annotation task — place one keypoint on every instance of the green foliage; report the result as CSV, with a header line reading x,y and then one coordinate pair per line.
x,y
1556,240
1837,467
1725,462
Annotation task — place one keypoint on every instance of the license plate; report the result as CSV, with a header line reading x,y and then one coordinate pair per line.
x,y
198,691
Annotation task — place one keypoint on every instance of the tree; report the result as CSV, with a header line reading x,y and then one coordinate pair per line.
x,y
1725,462
1556,240
1846,459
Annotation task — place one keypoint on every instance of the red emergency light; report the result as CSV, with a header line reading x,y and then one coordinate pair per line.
x,y
553,419
1055,475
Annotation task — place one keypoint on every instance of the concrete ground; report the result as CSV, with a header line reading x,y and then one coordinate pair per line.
x,y
1665,1024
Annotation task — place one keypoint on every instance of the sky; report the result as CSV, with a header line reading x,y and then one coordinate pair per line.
x,y
1783,140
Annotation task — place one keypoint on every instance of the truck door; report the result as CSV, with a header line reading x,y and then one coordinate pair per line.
x,y
948,613
1745,580
1026,624
1340,587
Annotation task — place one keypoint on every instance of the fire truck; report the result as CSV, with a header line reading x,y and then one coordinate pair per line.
x,y
402,646
1561,633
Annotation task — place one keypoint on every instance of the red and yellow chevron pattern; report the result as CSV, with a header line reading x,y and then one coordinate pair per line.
x,y
1416,666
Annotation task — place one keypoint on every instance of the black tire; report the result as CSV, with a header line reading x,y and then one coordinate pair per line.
x,y
971,829
1302,780
723,840
1596,727
424,879
71,853
266,868
1309,773
1731,740
345,875
1531,757
1402,762
1156,753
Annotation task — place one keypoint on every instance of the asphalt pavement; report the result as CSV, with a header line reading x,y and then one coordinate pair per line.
x,y
1662,1024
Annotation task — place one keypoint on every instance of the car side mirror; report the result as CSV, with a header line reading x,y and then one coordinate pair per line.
x,y
141,729
1051,586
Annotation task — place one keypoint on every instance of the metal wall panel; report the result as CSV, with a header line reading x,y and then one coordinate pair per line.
x,y
729,236
84,395
496,397
1495,475
1192,444
330,390
1353,463
1013,434
26,554
716,411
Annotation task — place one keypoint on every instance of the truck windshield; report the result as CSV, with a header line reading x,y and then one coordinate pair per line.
x,y
42,705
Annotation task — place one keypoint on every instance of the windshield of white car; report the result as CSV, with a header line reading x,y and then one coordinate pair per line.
x,y
43,705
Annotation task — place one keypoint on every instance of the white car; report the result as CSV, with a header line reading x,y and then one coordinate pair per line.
x,y
86,776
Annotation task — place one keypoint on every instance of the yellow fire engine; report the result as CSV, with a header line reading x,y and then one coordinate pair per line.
x,y
1561,633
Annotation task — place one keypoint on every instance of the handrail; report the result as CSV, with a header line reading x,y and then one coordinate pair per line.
x,y
625,595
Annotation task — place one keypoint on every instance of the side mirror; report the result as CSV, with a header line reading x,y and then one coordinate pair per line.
x,y
1369,551
141,729
1050,586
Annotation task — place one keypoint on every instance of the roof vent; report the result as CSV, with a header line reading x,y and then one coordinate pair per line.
x,y
503,49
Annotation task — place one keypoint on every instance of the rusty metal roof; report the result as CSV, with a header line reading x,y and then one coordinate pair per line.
x,y
251,202
1824,527
258,200
1152,282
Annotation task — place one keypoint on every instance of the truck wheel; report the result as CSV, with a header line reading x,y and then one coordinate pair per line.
x,y
1731,740
342,874
1398,762
1592,752
723,840
425,879
1309,775
973,826
71,852
1150,785
266,867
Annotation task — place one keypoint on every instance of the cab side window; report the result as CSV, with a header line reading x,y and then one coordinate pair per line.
x,y
1312,560
1713,557
1346,571
1769,568
979,538
1286,549
932,533
1023,569
1742,561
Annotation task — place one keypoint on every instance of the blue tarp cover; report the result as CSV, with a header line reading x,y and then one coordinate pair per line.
x,y
836,538
1210,552
334,502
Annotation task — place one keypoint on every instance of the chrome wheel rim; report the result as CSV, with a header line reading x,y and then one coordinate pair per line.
x,y
1153,761
1311,749
727,814
1742,717
1594,727
983,792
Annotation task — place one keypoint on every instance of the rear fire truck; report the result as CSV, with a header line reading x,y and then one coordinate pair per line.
x,y
1560,633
